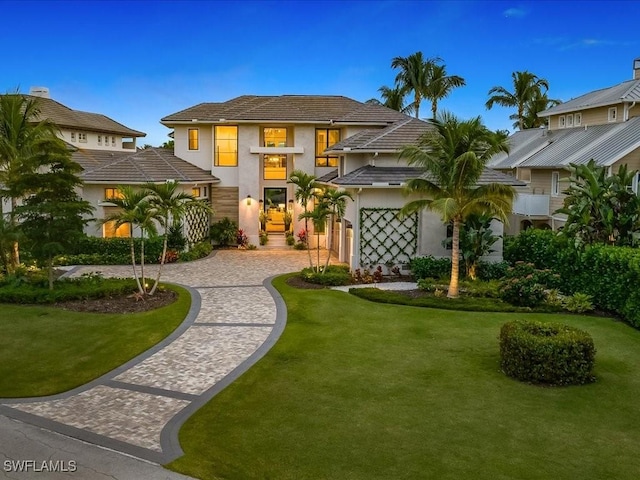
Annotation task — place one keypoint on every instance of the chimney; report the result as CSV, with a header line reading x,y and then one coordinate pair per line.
x,y
39,92
636,69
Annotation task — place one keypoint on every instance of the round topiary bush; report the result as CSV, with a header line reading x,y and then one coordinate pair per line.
x,y
546,353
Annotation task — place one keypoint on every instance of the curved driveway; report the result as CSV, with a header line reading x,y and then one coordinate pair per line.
x,y
138,408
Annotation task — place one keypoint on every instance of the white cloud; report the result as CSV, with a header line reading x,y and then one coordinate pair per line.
x,y
515,12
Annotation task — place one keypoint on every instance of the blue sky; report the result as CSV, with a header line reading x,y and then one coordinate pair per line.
x,y
137,61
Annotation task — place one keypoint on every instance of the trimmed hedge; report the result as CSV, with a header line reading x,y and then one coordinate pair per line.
x,y
430,267
546,353
334,275
111,251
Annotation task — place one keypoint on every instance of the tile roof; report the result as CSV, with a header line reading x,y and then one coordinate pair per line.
x,y
606,144
65,117
288,108
391,139
397,176
148,165
628,91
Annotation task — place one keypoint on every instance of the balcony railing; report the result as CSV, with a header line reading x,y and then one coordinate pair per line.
x,y
531,205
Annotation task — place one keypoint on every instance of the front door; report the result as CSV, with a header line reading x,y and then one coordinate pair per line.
x,y
275,208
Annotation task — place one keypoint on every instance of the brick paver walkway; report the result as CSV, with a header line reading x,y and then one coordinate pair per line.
x,y
138,408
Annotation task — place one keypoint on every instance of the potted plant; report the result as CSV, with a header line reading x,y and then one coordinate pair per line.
x,y
263,217
288,218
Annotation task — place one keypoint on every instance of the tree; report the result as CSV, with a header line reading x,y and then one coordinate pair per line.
x,y
336,202
439,85
600,208
53,217
304,193
170,206
539,103
169,144
393,98
526,86
318,217
135,210
23,136
476,240
414,75
454,155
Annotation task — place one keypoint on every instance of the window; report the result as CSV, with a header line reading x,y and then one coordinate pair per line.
x,y
110,193
113,141
275,137
569,121
82,137
199,192
193,139
73,136
555,184
561,121
109,230
523,174
634,183
577,119
275,167
613,114
100,140
226,146
325,138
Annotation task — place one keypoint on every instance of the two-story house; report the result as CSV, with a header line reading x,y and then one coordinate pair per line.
x,y
253,143
603,125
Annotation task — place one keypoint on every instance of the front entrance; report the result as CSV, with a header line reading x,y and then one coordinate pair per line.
x,y
278,218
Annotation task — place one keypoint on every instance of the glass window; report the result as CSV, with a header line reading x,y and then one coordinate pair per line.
x,y
226,146
275,167
112,193
113,141
73,136
555,183
613,114
193,139
325,138
99,139
82,137
109,230
561,121
577,121
569,121
275,137
195,191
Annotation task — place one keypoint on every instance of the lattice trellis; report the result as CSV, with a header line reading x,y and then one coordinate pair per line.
x,y
196,225
386,238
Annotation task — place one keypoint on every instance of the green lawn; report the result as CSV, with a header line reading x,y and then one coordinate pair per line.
x,y
46,350
360,390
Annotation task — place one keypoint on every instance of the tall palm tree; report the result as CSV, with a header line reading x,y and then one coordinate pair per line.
x,y
393,98
336,201
538,103
305,191
440,85
414,75
23,136
136,210
454,155
171,206
526,86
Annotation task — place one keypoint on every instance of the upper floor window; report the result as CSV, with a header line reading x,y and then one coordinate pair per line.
x,y
555,183
275,167
570,121
577,119
325,138
561,121
613,114
226,146
275,137
82,137
73,136
113,141
193,139
110,193
100,140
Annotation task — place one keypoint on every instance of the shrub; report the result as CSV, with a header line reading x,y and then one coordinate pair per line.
x,y
197,251
578,303
241,238
300,246
175,238
489,289
290,240
224,232
264,238
525,285
430,267
334,275
544,353
492,270
111,251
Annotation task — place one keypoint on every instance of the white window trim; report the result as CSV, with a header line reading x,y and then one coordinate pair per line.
x,y
577,120
634,183
561,121
569,121
612,114
555,184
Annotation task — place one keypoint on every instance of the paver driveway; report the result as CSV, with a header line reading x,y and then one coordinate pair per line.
x,y
138,408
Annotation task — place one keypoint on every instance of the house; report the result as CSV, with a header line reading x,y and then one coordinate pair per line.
x,y
107,152
253,143
603,125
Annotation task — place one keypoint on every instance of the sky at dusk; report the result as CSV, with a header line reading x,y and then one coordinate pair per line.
x,y
138,61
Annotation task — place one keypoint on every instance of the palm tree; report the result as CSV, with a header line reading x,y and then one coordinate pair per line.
x,y
454,155
393,98
414,75
171,206
526,86
336,201
136,210
23,136
305,192
539,103
439,86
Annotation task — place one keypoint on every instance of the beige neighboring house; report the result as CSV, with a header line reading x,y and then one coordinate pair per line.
x,y
109,157
603,125
253,143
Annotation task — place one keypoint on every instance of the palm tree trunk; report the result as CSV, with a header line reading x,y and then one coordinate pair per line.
x,y
455,260
162,260
50,268
306,237
133,262
144,283
318,250
417,104
434,108
520,117
15,250
329,242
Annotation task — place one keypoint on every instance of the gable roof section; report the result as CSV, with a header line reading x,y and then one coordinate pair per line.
x,y
65,117
148,165
287,108
606,144
391,139
628,91
398,176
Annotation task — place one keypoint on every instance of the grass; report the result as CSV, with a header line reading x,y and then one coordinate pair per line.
x,y
357,390
46,350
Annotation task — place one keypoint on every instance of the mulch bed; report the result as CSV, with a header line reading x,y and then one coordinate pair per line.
x,y
128,303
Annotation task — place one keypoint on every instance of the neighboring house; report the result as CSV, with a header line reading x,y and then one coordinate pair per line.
x,y
253,143
603,125
107,152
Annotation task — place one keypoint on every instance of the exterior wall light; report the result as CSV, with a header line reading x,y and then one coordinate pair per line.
x,y
249,200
